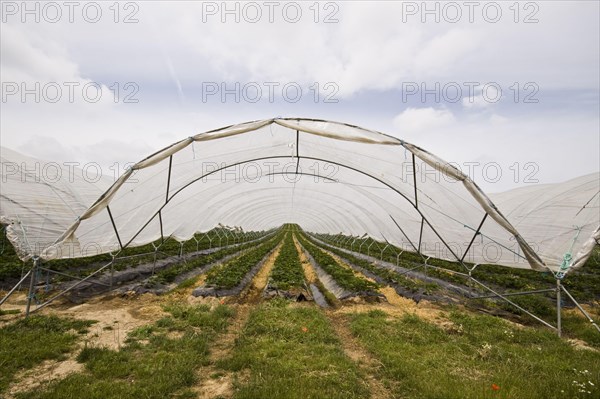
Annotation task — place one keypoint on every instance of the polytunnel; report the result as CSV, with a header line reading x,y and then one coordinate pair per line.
x,y
327,177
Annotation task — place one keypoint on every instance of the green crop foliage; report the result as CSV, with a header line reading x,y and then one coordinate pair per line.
x,y
230,274
388,275
342,275
287,271
169,274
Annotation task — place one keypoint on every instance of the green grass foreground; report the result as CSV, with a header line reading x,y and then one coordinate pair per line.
x,y
292,352
158,361
476,357
27,342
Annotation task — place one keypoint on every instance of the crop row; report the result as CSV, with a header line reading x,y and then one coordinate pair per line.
x,y
287,271
388,275
342,275
584,282
230,274
11,266
168,275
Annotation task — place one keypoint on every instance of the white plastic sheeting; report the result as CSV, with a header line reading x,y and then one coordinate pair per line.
x,y
39,200
328,177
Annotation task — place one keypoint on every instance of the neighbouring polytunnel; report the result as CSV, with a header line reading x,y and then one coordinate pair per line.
x,y
325,176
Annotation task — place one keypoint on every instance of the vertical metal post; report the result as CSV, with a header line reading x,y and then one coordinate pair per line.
x,y
360,247
346,242
369,248
31,285
155,256
180,250
558,305
112,270
383,250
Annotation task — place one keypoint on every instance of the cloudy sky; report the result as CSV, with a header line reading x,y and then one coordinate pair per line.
x,y
477,83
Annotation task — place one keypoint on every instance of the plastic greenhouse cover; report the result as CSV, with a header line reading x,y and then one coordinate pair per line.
x,y
327,177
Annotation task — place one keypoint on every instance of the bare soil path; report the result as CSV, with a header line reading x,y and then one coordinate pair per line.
x,y
215,382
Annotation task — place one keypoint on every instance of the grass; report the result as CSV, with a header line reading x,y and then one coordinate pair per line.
x,y
9,311
27,342
152,364
292,352
287,271
342,275
576,326
478,354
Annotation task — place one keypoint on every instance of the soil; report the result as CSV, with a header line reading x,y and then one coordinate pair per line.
x,y
47,371
222,383
366,363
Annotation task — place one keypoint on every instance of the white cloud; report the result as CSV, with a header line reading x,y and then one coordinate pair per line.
x,y
498,119
41,66
369,53
444,51
423,120
484,96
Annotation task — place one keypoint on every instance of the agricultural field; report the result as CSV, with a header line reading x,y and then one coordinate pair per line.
x,y
285,314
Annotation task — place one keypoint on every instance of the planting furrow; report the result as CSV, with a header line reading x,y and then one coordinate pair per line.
x,y
320,295
410,284
231,277
287,276
254,291
155,276
339,280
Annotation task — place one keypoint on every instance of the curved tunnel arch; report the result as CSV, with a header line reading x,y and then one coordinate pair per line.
x,y
319,130
199,178
247,207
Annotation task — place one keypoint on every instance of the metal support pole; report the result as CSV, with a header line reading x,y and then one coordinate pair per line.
x,y
180,250
31,285
70,288
68,275
346,241
13,289
580,308
514,304
383,250
506,293
369,249
558,319
155,256
352,245
112,270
